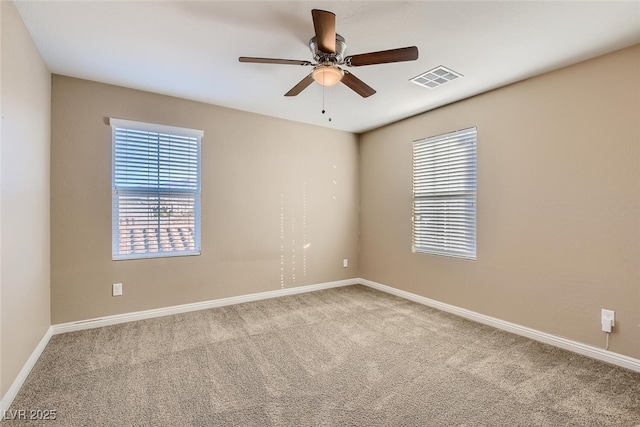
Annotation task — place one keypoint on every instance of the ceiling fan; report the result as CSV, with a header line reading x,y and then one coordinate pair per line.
x,y
328,50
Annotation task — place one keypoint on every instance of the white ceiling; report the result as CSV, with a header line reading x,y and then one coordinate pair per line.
x,y
191,49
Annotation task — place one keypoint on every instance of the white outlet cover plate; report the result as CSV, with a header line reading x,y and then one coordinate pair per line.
x,y
608,315
117,289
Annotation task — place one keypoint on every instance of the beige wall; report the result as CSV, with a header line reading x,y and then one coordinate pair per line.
x,y
24,281
558,203
254,169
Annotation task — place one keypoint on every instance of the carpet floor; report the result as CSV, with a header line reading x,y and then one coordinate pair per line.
x,y
349,356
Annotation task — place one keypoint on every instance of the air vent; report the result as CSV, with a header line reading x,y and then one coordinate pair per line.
x,y
435,77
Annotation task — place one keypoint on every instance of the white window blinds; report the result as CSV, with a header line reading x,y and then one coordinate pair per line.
x,y
444,194
156,190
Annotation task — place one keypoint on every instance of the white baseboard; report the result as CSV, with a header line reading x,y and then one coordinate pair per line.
x,y
11,394
167,311
577,347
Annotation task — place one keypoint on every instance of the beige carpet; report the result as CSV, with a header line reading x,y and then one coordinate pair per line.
x,y
345,356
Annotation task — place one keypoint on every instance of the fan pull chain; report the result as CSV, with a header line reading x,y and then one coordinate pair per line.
x,y
329,103
323,103
323,89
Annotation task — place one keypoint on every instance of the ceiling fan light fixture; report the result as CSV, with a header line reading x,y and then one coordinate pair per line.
x,y
327,75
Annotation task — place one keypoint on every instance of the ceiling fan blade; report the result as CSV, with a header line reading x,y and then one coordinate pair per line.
x,y
273,61
324,24
357,85
304,83
382,57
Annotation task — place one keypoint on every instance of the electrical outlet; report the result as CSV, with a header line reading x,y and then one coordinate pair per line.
x,y
608,320
345,263
117,289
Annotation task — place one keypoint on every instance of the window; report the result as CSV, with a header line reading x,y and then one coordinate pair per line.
x,y
155,190
444,194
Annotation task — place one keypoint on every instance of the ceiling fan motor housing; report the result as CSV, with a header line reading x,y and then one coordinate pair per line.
x,y
327,57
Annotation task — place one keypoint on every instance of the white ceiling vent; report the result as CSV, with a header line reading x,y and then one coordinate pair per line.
x,y
435,77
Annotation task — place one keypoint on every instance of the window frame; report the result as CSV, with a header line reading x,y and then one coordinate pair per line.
x,y
170,131
448,188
